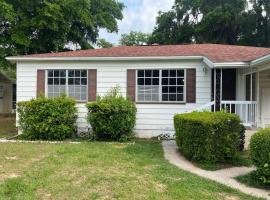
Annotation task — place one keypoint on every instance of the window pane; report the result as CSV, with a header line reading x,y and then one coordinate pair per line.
x,y
155,73
50,73
180,89
165,89
83,73
165,73
165,97
155,81
50,81
71,73
77,73
71,81
180,81
172,97
77,81
155,97
172,90
148,73
84,81
172,73
63,81
180,97
140,97
140,73
180,73
50,89
172,81
165,81
148,81
62,73
56,81
56,73
141,81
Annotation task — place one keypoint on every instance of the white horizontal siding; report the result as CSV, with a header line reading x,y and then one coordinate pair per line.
x,y
152,119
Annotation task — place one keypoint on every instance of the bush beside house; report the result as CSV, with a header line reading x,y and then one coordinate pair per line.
x,y
48,118
208,137
260,155
112,117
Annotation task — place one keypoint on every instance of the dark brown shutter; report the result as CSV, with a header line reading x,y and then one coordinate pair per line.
x,y
191,86
40,82
131,84
92,85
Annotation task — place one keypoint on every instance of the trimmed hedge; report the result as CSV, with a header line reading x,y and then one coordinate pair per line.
x,y
112,117
48,118
207,136
260,155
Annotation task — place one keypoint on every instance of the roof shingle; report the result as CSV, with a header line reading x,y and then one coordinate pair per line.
x,y
214,52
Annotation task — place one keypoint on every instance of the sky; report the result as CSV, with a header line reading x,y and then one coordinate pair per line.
x,y
139,15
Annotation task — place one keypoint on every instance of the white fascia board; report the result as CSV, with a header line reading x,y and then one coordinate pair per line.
x,y
17,58
261,60
231,65
208,62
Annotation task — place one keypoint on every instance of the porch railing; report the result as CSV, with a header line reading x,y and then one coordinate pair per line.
x,y
246,110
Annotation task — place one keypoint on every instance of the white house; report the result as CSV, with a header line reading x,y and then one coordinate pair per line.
x,y
162,80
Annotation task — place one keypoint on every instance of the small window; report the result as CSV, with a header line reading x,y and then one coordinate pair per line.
x,y
70,82
161,85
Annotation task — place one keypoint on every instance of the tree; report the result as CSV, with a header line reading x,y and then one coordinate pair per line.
x,y
200,21
102,43
255,28
39,26
134,38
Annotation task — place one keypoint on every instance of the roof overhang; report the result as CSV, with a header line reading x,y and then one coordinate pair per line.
x,y
204,59
261,61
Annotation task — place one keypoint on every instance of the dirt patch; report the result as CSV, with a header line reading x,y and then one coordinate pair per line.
x,y
11,158
229,197
160,187
10,175
119,146
44,195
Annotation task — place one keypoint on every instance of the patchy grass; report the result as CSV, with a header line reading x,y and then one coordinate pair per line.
x,y
251,180
7,126
242,159
100,171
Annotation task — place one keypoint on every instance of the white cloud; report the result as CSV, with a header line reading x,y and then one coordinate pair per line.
x,y
139,15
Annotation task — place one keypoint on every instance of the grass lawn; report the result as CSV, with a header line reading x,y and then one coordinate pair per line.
x,y
251,180
7,126
243,159
100,171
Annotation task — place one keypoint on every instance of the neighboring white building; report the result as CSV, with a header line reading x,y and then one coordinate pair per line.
x,y
162,80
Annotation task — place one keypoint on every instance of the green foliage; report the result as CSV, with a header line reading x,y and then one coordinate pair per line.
x,y
48,118
208,137
102,43
134,38
41,26
209,21
260,155
112,117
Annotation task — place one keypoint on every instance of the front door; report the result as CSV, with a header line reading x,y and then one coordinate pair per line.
x,y
265,108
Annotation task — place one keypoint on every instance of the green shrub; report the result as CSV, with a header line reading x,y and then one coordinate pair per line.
x,y
48,118
260,155
112,117
241,141
208,137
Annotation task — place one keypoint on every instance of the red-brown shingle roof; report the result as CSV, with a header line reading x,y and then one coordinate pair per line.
x,y
214,52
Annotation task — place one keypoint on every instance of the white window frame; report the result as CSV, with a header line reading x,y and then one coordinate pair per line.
x,y
66,86
160,87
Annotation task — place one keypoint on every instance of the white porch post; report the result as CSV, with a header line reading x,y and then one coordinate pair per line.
x,y
258,118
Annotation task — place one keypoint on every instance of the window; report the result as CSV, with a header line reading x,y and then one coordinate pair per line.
x,y
70,82
161,85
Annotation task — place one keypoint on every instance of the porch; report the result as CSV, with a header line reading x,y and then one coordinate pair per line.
x,y
245,92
